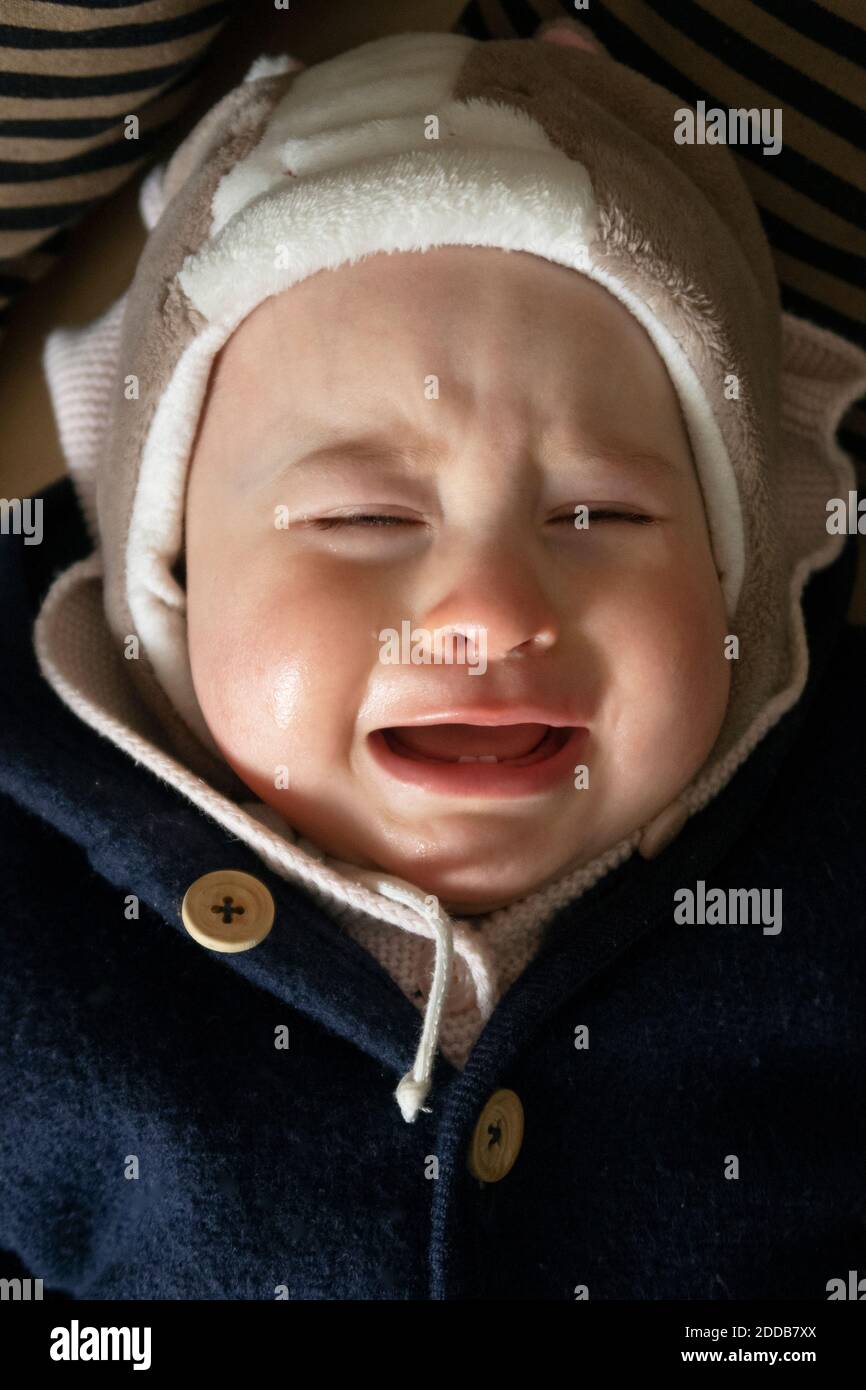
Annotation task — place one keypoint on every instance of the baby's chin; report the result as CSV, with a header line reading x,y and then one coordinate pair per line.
x,y
482,900
478,888
473,869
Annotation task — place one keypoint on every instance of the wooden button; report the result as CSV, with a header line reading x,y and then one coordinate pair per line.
x,y
498,1137
227,910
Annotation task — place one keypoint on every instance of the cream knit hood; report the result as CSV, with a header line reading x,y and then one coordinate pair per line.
x,y
405,143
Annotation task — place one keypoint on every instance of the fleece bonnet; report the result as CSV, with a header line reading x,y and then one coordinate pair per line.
x,y
402,144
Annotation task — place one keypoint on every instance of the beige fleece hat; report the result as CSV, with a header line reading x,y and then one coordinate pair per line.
x,y
421,140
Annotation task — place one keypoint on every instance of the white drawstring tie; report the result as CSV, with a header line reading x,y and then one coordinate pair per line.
x,y
412,1091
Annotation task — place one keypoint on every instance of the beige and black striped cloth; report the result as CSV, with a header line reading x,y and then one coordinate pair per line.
x,y
806,57
70,75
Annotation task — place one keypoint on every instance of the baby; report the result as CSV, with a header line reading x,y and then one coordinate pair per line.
x,y
448,340
453,512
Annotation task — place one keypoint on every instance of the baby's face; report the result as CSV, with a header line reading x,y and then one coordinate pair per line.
x,y
400,447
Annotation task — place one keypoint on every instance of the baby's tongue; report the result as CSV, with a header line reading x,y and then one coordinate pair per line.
x,y
470,740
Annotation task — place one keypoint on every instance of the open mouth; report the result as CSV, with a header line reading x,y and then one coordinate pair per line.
x,y
479,760
514,745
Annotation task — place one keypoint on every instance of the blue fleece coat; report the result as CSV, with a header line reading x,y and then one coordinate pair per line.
x,y
264,1172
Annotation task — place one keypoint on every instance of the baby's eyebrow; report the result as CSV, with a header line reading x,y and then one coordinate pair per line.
x,y
373,449
412,455
630,457
365,450
415,457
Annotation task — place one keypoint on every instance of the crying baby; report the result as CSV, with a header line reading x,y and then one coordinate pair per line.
x,y
410,439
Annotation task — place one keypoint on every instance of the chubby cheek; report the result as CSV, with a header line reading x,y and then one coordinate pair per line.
x,y
669,684
278,681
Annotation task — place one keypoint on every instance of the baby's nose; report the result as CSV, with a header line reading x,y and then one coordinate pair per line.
x,y
499,601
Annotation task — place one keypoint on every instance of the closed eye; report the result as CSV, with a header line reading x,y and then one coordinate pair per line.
x,y
607,514
328,523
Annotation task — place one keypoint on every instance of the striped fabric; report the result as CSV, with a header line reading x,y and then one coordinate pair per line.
x,y
69,76
806,57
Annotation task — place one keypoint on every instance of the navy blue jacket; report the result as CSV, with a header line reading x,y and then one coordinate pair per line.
x,y
262,1169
